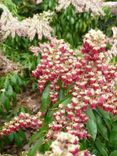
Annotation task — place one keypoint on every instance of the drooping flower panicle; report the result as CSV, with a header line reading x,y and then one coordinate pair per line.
x,y
56,64
69,119
95,6
92,78
66,145
113,41
22,121
29,27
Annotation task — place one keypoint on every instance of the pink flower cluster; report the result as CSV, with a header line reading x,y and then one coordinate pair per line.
x,y
92,78
23,121
93,44
99,77
69,119
56,64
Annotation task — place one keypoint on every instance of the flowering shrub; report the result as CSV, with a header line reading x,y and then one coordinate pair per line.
x,y
75,85
29,27
92,77
82,6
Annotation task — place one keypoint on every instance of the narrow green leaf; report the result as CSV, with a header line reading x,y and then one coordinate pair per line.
x,y
90,113
22,134
36,147
106,117
101,127
113,136
11,137
19,80
4,100
61,95
101,148
14,79
92,128
37,135
104,114
114,153
66,101
10,91
45,98
18,139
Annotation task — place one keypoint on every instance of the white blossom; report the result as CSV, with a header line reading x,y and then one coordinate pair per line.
x,y
113,41
29,27
82,5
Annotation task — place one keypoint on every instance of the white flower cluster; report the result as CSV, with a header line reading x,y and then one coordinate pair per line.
x,y
66,145
95,6
29,27
38,1
96,39
54,41
113,51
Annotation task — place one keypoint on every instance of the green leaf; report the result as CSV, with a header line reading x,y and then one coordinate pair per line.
x,y
45,98
7,104
101,127
18,139
37,135
101,148
1,109
36,147
38,59
45,147
91,125
90,113
61,94
34,86
106,118
64,102
114,153
77,26
50,3
4,100
6,83
14,79
10,91
92,128
19,80
104,114
72,20
11,137
22,134
113,136
49,116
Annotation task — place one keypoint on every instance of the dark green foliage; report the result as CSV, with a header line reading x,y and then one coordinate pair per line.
x,y
105,142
